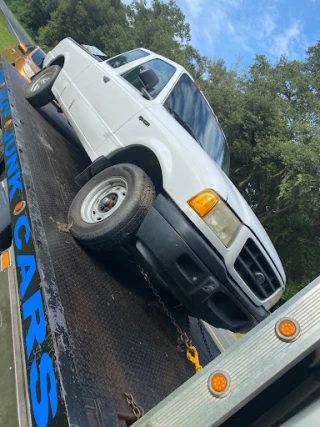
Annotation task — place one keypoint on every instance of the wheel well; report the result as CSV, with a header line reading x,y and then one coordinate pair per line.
x,y
145,159
58,61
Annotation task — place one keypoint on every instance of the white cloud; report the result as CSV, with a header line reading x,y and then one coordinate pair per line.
x,y
195,7
284,43
231,28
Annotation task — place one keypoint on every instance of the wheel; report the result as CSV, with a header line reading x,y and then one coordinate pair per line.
x,y
109,209
38,91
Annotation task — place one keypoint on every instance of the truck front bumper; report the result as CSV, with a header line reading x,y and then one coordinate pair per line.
x,y
178,256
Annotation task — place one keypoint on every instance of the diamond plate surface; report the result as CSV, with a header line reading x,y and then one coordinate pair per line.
x,y
121,340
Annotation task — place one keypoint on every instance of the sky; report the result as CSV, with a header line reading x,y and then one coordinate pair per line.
x,y
233,29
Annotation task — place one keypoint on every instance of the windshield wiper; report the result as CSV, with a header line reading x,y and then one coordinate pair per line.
x,y
182,122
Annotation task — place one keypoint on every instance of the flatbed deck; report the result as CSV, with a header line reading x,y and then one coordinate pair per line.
x,y
109,334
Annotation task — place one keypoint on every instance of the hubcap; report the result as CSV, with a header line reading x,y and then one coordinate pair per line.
x,y
43,80
104,199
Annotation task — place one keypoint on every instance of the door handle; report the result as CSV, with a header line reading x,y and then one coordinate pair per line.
x,y
106,79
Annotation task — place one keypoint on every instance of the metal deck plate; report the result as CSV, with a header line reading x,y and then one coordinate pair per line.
x,y
120,339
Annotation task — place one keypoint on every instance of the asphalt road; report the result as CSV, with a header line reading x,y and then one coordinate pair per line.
x,y
13,25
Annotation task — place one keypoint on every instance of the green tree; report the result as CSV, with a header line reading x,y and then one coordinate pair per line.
x,y
160,27
271,118
101,23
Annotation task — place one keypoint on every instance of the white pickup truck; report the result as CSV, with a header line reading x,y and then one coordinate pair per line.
x,y
158,181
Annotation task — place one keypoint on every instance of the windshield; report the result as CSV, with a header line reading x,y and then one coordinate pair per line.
x,y
189,104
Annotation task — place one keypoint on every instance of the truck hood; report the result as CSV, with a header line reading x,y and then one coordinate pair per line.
x,y
12,54
239,205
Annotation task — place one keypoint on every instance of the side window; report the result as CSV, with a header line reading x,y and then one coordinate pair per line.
x,y
163,70
125,58
38,58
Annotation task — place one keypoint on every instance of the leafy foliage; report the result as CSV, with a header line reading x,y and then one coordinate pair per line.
x,y
270,113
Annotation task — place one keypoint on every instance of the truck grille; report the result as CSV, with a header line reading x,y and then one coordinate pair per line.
x,y
255,271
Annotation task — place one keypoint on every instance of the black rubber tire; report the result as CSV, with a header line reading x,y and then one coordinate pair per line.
x,y
117,229
43,95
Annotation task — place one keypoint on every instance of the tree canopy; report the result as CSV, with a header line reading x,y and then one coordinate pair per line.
x,y
270,112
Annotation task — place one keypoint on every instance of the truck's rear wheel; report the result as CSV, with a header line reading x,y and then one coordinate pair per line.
x,y
109,209
38,92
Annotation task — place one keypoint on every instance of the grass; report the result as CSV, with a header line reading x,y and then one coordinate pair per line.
x,y
6,39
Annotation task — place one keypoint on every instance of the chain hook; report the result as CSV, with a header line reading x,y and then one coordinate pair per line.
x,y
193,356
184,339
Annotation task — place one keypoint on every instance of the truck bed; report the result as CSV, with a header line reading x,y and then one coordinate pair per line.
x,y
111,336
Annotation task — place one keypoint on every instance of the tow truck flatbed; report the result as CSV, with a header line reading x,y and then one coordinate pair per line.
x,y
105,333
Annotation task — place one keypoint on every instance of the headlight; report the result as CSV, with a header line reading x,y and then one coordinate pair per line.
x,y
217,215
28,70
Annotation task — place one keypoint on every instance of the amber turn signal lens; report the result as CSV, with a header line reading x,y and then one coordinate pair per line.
x,y
204,202
287,330
219,384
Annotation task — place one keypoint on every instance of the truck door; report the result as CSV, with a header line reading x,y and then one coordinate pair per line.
x,y
103,105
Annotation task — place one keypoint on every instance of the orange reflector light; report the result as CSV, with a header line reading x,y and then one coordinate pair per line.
x,y
19,208
204,202
220,384
7,123
5,260
287,330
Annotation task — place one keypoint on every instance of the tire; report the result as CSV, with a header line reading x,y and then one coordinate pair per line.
x,y
109,209
38,91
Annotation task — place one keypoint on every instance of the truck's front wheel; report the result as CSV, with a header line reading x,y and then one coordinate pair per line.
x,y
38,91
109,209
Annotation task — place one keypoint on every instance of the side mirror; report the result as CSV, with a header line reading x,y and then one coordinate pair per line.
x,y
148,78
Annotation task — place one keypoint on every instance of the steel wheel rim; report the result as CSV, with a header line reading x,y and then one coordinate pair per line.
x,y
42,81
104,200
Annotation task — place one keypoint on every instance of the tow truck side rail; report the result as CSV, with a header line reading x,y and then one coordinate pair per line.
x,y
252,364
41,311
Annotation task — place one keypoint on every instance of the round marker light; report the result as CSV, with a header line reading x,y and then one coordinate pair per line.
x,y
287,330
19,208
219,384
